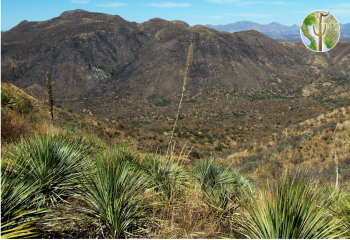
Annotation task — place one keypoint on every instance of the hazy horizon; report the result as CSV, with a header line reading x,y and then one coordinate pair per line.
x,y
204,12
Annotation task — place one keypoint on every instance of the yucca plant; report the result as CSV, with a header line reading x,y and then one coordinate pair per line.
x,y
20,201
52,162
169,177
220,186
290,208
344,203
7,99
113,190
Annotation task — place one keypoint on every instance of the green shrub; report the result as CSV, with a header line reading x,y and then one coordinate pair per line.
x,y
71,128
195,154
218,148
7,99
24,106
162,103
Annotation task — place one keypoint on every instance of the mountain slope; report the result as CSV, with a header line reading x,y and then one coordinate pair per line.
x,y
100,55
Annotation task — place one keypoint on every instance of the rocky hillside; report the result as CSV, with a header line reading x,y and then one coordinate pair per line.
x,y
98,55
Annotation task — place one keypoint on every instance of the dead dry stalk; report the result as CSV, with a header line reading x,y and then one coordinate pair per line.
x,y
188,64
335,159
188,154
49,93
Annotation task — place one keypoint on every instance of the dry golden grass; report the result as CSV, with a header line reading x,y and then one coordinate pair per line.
x,y
190,218
16,123
309,144
38,120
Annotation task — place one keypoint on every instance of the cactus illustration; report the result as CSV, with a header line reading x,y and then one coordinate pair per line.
x,y
320,33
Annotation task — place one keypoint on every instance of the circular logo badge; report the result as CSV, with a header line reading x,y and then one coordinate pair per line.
x,y
320,31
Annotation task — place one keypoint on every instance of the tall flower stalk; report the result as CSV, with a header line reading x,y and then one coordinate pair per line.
x,y
188,64
49,93
336,159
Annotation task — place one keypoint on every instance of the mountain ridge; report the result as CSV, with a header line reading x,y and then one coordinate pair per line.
x,y
276,30
96,58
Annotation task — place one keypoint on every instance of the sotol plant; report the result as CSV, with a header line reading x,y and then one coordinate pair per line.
x,y
20,201
113,189
290,208
220,186
344,203
53,162
169,178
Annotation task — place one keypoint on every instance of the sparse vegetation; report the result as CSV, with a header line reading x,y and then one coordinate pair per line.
x,y
75,171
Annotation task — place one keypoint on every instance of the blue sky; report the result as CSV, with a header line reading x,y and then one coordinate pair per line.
x,y
193,12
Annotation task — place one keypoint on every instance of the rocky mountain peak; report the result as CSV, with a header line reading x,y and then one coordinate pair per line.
x,y
67,13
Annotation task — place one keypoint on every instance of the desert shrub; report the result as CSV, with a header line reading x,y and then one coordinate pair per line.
x,y
162,103
11,101
24,106
195,154
72,128
12,126
13,123
7,99
218,148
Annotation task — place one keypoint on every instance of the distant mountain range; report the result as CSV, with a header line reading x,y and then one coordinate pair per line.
x,y
276,30
97,61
